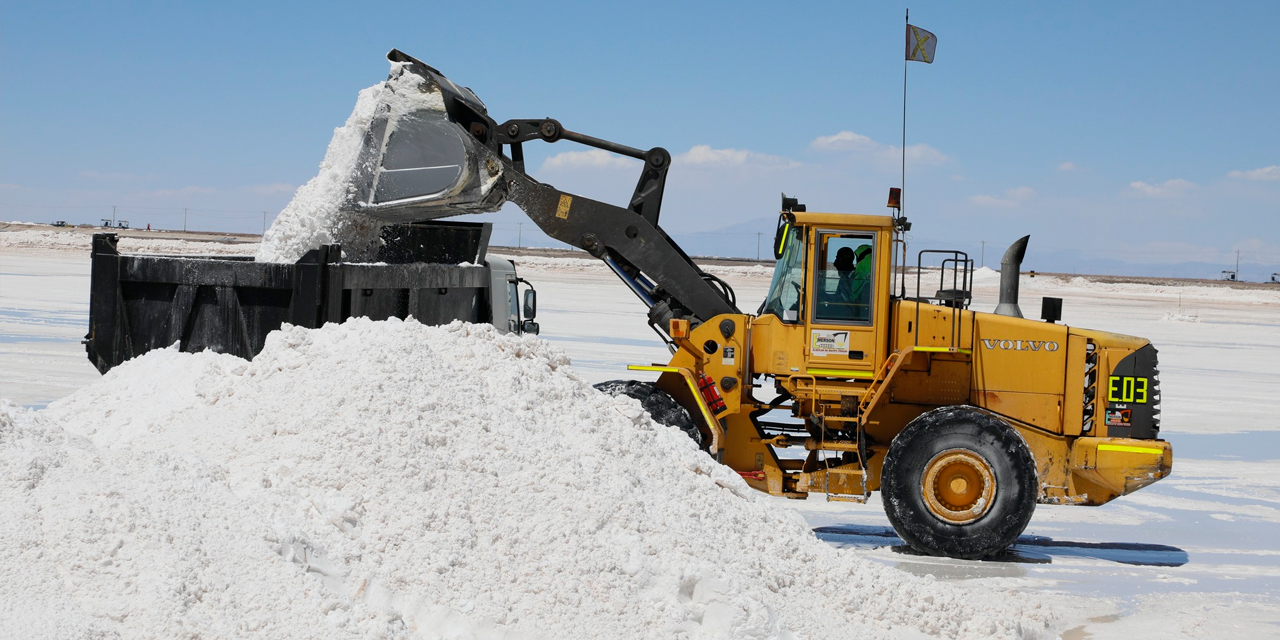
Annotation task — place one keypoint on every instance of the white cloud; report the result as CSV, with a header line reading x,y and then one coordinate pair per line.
x,y
1256,250
705,155
919,154
845,141
111,176
1011,198
700,155
1168,189
1252,251
1171,252
594,158
271,189
1067,166
7,187
1265,173
184,191
849,141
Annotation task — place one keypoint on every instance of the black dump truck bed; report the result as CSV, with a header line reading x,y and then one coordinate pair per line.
x,y
229,304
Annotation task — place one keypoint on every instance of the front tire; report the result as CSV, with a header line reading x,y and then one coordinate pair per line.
x,y
959,482
658,403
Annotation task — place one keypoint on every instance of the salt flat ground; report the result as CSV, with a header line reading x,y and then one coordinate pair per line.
x,y
1196,555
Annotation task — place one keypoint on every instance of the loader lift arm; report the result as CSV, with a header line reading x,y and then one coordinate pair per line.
x,y
628,240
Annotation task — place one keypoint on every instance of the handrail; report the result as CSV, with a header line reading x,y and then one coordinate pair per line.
x,y
964,285
880,383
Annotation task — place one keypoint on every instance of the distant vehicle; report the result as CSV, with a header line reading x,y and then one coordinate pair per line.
x,y
1228,275
60,223
106,222
123,224
1275,278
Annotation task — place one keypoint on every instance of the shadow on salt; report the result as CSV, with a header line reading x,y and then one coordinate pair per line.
x,y
1027,549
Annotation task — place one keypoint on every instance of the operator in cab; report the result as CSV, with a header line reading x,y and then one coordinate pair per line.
x,y
853,287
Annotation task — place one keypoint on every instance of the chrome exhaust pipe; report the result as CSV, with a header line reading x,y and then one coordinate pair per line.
x,y
1010,266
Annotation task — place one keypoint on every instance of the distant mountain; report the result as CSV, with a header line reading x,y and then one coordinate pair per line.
x,y
738,240
1071,262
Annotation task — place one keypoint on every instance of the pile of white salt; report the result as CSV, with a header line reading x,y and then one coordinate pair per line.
x,y
391,480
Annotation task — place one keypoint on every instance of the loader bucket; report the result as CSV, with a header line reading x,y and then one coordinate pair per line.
x,y
419,159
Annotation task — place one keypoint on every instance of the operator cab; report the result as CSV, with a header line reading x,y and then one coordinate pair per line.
x,y
830,284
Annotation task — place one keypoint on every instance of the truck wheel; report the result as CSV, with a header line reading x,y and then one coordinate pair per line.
x,y
661,406
960,483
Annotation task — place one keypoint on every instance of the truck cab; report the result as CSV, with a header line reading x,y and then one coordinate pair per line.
x,y
512,313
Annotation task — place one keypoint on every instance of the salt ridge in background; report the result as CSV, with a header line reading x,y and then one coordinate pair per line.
x,y
60,240
386,479
558,264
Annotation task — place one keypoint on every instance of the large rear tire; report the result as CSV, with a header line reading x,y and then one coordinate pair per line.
x,y
959,482
658,403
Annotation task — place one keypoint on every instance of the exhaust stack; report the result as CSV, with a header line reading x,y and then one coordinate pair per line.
x,y
1010,265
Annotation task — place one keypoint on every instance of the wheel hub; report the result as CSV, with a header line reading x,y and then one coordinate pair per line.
x,y
958,486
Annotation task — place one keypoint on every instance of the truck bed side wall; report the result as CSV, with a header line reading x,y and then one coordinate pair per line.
x,y
140,303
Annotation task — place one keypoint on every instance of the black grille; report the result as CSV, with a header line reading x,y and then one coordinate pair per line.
x,y
1090,386
1155,395
1132,393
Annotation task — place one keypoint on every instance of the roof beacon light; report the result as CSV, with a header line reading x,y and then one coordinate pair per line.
x,y
895,198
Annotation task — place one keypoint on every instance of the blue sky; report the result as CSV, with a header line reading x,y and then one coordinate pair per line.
x,y
1121,136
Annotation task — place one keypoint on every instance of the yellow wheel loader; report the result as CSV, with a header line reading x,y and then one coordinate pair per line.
x,y
859,372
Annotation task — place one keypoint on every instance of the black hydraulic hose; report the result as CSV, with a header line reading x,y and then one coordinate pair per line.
x,y
726,290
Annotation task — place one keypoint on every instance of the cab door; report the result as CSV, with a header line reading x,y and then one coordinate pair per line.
x,y
842,310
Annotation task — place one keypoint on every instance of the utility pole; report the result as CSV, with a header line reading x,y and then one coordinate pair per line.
x,y
984,253
184,219
264,223
113,216
519,234
1237,264
757,246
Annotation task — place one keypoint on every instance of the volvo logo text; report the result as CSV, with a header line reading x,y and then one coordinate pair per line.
x,y
1020,345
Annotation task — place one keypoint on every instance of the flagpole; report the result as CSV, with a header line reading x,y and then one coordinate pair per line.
x,y
903,184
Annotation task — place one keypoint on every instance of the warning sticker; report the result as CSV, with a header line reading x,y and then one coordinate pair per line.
x,y
1119,417
829,343
727,356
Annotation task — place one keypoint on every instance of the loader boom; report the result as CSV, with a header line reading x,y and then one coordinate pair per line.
x,y
407,160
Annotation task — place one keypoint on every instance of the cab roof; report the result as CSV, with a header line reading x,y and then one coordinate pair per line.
x,y
842,219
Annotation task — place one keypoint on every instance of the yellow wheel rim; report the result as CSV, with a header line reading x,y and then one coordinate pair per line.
x,y
958,486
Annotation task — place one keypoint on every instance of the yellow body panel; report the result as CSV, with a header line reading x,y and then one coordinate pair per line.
x,y
1104,468
1019,355
777,347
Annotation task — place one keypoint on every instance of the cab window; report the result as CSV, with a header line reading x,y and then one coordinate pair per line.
x,y
843,278
513,306
788,279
